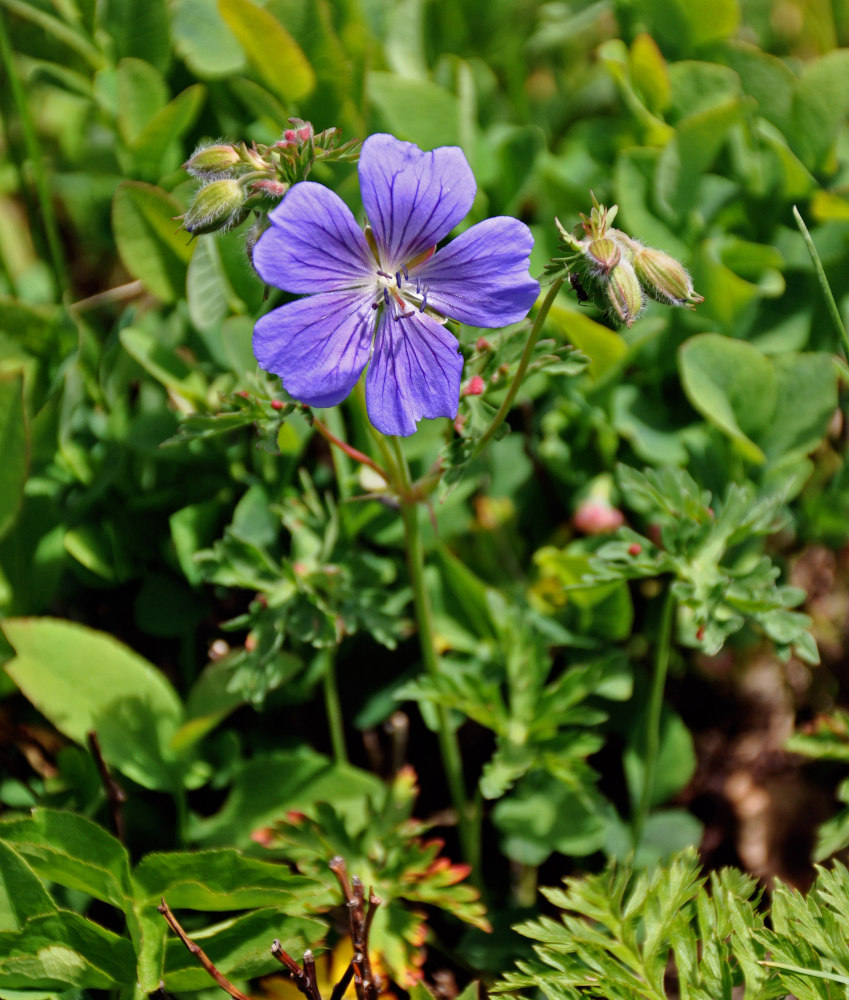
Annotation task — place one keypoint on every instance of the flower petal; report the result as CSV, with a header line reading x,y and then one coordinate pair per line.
x,y
412,199
313,244
318,345
482,277
414,373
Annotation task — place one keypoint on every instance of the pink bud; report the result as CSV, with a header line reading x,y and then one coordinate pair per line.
x,y
635,549
474,387
276,404
597,517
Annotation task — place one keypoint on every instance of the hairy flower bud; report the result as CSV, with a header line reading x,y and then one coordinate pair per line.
x,y
664,279
602,255
624,294
210,160
218,205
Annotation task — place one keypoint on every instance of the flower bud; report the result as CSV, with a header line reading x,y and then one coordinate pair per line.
x,y
218,205
595,516
602,255
624,294
474,387
211,160
664,279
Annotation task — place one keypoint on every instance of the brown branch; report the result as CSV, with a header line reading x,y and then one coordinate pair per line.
x,y
115,794
305,980
198,952
345,981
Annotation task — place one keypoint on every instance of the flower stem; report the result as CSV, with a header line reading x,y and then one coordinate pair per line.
x,y
350,451
830,304
447,736
653,716
333,706
525,360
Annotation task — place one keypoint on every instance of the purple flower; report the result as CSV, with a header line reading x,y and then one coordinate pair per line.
x,y
384,294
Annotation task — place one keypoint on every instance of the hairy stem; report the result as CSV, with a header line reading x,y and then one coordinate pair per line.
x,y
655,707
448,744
524,361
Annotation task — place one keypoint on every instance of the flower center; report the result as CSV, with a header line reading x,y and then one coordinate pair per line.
x,y
403,294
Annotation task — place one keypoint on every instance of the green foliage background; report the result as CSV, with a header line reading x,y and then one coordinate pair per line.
x,y
199,581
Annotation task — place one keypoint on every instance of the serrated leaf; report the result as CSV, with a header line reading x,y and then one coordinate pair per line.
x,y
72,851
150,242
240,948
22,893
271,50
84,681
63,950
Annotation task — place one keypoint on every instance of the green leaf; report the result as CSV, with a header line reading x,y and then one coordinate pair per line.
x,y
166,127
152,247
84,681
820,105
437,118
240,948
302,777
14,448
63,950
270,49
732,385
141,92
22,893
164,364
208,291
806,387
676,760
202,39
605,348
138,28
72,851
219,880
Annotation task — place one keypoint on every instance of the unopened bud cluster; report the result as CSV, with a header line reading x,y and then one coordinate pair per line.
x,y
238,179
617,273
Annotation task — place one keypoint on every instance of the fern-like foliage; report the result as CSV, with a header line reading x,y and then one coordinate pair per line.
x,y
624,935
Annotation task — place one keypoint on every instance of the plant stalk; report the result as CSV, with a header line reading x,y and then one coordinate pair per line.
x,y
333,706
653,717
524,361
448,744
830,304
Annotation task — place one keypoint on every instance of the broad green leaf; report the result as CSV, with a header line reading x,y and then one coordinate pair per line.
x,y
684,25
164,364
84,681
302,778
167,126
676,760
240,948
271,50
62,950
22,893
203,40
219,880
14,448
698,139
138,28
437,118
806,386
649,72
150,242
732,385
820,105
141,94
42,331
71,850
208,292
605,348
